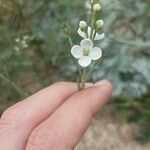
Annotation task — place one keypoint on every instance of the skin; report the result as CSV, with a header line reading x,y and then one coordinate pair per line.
x,y
54,118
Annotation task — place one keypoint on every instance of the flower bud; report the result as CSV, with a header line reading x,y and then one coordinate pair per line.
x,y
83,25
17,40
99,24
97,7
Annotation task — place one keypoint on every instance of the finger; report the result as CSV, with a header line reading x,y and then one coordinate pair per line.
x,y
63,130
19,120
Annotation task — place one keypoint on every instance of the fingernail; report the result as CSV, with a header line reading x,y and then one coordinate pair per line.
x,y
102,82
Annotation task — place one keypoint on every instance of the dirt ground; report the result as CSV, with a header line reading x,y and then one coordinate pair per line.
x,y
106,133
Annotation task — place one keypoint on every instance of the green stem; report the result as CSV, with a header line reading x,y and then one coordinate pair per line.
x,y
92,21
39,9
83,79
16,87
78,84
79,68
94,35
70,40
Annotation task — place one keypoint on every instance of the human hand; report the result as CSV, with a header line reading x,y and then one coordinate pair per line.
x,y
54,118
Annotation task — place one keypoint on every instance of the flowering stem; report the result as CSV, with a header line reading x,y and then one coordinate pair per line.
x,y
92,21
83,79
83,51
78,84
94,35
70,40
83,74
79,68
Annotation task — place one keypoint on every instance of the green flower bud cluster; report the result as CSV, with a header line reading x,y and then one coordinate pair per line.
x,y
92,31
22,42
97,23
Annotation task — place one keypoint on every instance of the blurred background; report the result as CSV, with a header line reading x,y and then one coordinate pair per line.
x,y
34,53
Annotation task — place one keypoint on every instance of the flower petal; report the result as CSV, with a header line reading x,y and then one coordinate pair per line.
x,y
96,53
86,43
76,51
81,33
84,61
99,36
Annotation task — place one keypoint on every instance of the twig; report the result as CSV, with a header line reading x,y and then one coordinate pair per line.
x,y
92,69
38,9
16,87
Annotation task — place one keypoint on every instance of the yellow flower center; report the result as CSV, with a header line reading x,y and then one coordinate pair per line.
x,y
86,52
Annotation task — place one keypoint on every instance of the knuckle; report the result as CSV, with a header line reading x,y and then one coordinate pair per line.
x,y
43,138
39,140
8,114
14,117
7,121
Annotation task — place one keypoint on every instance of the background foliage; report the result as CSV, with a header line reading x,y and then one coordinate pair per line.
x,y
35,53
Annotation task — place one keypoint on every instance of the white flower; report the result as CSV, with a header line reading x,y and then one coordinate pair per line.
x,y
97,7
82,25
87,35
85,52
17,40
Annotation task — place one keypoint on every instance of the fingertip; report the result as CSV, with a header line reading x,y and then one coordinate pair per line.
x,y
99,95
105,83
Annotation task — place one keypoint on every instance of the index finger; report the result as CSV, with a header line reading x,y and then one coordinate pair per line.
x,y
19,120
